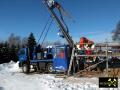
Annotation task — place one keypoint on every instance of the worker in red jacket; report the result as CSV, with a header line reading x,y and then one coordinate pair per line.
x,y
88,52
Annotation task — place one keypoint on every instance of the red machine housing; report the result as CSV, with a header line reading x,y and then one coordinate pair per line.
x,y
84,41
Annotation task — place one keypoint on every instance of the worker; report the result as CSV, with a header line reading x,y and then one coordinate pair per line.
x,y
88,51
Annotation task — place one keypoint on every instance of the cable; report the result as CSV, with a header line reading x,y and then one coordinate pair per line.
x,y
62,19
47,31
43,29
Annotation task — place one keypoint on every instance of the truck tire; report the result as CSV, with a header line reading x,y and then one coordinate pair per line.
x,y
49,67
25,68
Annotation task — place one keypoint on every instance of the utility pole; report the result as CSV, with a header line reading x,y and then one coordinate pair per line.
x,y
106,58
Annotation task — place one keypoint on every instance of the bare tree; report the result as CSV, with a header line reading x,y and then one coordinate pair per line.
x,y
17,41
11,40
14,40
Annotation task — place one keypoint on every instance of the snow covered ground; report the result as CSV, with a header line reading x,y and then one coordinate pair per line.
x,y
11,78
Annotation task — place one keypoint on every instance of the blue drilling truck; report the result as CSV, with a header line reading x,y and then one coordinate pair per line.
x,y
58,58
48,60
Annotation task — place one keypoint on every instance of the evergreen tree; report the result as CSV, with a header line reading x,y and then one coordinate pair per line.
x,y
8,53
13,53
31,44
31,40
4,52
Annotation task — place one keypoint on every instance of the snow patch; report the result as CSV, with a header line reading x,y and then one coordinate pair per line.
x,y
12,79
9,67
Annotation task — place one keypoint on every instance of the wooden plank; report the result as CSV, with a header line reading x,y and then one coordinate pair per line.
x,y
91,66
71,62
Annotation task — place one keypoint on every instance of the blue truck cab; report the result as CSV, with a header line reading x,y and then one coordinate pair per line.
x,y
49,59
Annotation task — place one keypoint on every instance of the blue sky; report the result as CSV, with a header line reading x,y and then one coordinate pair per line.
x,y
94,19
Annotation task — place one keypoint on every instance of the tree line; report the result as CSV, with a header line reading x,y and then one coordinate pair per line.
x,y
9,48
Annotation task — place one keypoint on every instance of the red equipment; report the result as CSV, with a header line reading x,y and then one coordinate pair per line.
x,y
84,41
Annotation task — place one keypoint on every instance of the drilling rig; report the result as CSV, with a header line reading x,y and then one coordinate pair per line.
x,y
61,58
